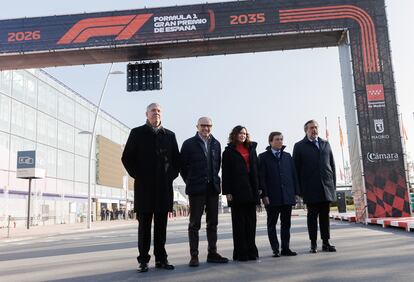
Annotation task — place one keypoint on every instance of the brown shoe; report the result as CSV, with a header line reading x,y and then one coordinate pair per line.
x,y
194,261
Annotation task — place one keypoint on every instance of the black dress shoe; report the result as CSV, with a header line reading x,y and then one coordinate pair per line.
x,y
216,258
313,249
194,261
164,265
288,253
328,248
276,255
142,267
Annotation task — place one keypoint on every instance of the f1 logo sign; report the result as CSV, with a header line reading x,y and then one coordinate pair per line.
x,y
123,27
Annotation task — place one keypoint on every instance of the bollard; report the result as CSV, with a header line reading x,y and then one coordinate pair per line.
x,y
8,226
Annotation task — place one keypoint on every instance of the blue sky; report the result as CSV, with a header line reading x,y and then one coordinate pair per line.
x,y
262,91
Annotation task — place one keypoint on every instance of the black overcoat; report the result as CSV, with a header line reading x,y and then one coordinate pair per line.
x,y
316,171
152,159
237,180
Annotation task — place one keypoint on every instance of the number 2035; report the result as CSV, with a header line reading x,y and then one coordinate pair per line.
x,y
247,19
23,36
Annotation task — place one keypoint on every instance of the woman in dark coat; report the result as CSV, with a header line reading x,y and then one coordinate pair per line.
x,y
240,185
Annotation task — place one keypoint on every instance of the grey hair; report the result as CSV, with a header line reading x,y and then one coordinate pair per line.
x,y
199,120
150,106
305,127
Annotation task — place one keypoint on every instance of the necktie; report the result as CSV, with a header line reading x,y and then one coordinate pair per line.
x,y
277,154
315,142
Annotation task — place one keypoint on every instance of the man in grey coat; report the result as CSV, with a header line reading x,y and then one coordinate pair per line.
x,y
315,167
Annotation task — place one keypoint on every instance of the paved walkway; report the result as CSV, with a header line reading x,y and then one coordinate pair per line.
x,y
365,254
20,233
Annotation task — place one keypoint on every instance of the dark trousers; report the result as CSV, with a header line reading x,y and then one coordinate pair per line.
x,y
144,236
199,203
273,213
243,219
321,211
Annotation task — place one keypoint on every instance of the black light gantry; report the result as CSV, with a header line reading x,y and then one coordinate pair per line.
x,y
144,76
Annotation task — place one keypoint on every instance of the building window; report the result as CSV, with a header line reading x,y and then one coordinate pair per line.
x,y
4,150
46,129
81,169
50,155
66,138
18,86
5,82
5,104
29,123
17,120
31,90
82,143
65,165
82,118
66,110
47,99
23,120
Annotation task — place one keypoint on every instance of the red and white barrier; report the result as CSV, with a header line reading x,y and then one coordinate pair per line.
x,y
400,222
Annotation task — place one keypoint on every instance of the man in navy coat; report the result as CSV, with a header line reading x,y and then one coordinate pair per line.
x,y
278,182
200,166
315,167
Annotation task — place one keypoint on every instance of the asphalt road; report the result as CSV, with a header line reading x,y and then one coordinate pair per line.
x,y
364,254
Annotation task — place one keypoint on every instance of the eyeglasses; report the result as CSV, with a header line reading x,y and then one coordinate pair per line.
x,y
206,125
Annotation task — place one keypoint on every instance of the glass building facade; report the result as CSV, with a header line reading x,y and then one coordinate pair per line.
x,y
37,112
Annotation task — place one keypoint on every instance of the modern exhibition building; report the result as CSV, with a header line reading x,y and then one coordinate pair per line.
x,y
39,113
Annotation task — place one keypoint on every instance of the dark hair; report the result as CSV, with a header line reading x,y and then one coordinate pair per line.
x,y
233,136
305,127
273,134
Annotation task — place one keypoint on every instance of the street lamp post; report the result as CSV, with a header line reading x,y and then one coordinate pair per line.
x,y
88,218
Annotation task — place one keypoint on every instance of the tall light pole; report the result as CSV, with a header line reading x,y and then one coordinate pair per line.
x,y
88,217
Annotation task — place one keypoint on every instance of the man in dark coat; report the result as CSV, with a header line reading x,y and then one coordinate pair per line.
x,y
200,165
151,157
315,167
278,182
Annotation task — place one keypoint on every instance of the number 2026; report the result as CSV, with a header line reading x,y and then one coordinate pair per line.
x,y
23,36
